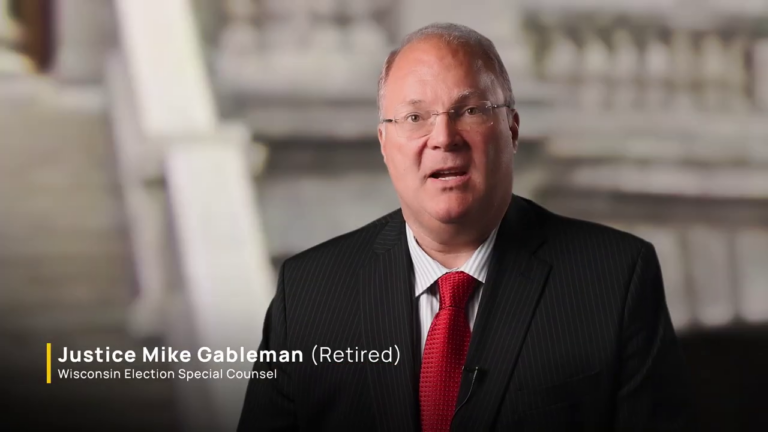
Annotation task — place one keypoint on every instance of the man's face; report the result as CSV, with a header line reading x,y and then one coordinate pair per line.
x,y
449,175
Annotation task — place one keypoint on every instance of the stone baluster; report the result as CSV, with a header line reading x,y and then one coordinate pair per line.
x,y
289,26
326,35
562,63
713,63
364,34
238,41
328,55
626,62
596,61
711,274
240,35
656,65
683,69
737,75
366,44
760,73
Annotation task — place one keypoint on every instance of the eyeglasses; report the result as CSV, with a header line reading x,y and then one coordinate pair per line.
x,y
472,117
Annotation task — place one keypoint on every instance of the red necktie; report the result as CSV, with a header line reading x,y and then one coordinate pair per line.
x,y
445,352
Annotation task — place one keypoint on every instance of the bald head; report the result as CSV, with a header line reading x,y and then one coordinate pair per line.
x,y
477,48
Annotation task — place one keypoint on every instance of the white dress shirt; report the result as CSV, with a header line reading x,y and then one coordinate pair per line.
x,y
427,271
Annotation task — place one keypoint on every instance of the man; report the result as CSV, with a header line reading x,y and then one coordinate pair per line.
x,y
504,316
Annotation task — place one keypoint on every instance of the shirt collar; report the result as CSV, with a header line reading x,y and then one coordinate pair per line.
x,y
427,270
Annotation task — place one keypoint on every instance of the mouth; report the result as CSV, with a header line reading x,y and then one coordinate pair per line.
x,y
449,174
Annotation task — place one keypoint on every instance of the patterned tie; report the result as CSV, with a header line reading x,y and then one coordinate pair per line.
x,y
445,352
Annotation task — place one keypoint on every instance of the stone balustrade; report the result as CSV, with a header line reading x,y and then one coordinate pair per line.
x,y
568,60
613,59
296,48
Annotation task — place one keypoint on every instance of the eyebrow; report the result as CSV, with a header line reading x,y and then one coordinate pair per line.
x,y
467,94
462,97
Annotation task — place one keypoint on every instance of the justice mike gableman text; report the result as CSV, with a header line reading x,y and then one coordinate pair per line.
x,y
170,355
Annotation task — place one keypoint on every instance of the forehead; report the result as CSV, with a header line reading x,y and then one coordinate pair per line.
x,y
434,72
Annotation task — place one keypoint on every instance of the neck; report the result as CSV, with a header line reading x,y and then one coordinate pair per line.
x,y
453,244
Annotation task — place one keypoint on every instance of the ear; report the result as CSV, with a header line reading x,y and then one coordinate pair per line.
x,y
381,132
513,117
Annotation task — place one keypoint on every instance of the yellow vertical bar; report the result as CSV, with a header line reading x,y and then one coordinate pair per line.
x,y
48,363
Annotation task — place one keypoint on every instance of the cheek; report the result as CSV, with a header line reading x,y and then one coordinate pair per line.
x,y
485,152
492,155
403,162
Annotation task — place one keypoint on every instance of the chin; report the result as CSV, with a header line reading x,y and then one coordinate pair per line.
x,y
451,210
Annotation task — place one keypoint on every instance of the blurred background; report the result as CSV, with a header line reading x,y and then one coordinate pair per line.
x,y
159,160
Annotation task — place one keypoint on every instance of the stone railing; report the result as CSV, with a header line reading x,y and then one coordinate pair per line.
x,y
656,56
598,55
284,48
567,59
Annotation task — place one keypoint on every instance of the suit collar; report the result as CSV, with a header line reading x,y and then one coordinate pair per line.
x,y
392,234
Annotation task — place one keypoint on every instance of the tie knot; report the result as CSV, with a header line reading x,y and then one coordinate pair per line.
x,y
455,289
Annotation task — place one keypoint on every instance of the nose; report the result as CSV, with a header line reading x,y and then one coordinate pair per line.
x,y
444,134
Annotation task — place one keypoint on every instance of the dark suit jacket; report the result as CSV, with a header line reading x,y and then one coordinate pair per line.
x,y
572,333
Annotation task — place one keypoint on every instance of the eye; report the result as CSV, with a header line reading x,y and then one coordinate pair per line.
x,y
413,118
471,111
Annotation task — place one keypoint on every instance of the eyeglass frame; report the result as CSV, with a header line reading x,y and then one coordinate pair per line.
x,y
434,115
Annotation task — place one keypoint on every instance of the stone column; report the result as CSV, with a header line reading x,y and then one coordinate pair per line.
x,y
221,278
85,32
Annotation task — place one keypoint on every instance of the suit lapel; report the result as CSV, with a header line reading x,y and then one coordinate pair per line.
x,y
515,282
386,303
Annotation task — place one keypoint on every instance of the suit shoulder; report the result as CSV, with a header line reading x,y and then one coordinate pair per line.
x,y
567,231
346,247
